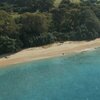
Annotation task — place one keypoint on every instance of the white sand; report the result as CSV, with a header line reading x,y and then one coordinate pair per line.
x,y
56,49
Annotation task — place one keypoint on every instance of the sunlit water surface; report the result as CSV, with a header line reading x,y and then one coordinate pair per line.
x,y
65,78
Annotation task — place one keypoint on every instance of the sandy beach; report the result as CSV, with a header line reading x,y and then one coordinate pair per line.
x,y
52,50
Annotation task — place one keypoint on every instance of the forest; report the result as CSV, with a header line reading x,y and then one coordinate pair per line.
x,y
32,23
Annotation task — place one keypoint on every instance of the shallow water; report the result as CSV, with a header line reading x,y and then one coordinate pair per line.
x,y
65,78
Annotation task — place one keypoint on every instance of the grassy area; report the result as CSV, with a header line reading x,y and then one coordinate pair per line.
x,y
57,2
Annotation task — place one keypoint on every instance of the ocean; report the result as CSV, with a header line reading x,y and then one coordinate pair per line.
x,y
74,77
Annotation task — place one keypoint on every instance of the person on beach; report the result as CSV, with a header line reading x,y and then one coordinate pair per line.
x,y
62,53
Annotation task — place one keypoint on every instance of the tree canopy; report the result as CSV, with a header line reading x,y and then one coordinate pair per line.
x,y
33,23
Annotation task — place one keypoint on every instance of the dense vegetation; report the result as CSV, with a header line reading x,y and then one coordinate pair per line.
x,y
29,23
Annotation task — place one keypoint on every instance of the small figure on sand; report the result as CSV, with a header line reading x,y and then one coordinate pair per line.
x,y
62,53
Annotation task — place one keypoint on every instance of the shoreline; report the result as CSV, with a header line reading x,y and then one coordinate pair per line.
x,y
48,51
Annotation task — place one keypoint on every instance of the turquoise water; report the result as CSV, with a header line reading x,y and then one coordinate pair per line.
x,y
65,78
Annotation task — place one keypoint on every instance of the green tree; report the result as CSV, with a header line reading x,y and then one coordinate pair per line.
x,y
33,25
7,25
8,45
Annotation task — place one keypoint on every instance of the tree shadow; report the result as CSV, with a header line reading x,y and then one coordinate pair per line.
x,y
6,55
